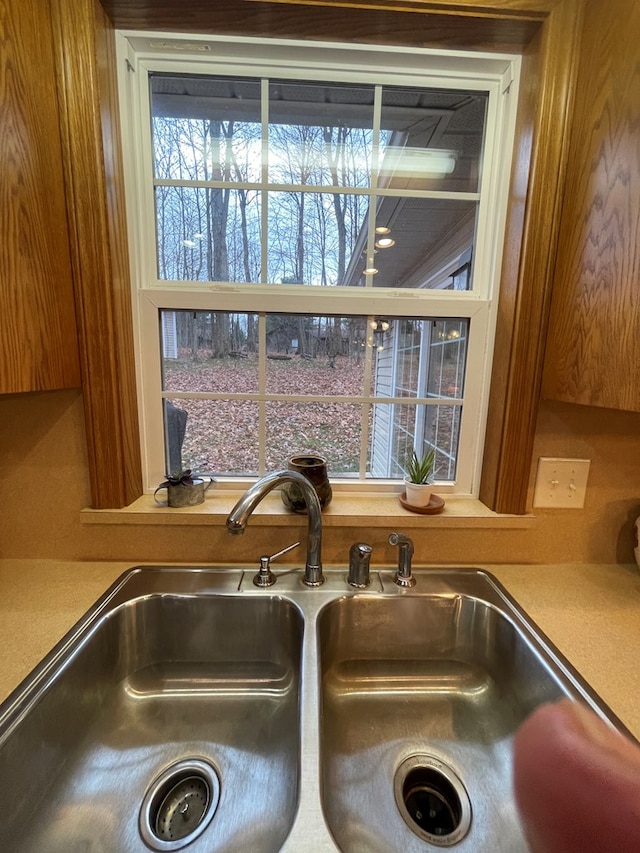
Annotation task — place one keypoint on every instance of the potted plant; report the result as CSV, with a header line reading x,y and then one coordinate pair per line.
x,y
183,489
419,478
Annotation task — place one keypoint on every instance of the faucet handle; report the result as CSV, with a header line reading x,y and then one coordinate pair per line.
x,y
359,558
265,577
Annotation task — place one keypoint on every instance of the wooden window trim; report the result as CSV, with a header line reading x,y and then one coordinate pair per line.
x,y
545,31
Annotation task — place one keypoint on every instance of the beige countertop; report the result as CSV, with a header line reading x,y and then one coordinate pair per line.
x,y
590,612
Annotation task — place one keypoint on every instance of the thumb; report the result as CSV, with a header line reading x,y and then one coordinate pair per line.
x,y
577,782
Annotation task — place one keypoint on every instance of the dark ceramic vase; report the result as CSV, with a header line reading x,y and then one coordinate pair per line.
x,y
314,469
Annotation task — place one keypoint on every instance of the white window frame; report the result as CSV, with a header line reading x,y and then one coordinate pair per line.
x,y
140,53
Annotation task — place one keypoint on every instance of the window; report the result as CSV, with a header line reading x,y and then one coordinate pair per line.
x,y
319,231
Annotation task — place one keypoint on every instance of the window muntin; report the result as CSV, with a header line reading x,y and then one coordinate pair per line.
x,y
476,242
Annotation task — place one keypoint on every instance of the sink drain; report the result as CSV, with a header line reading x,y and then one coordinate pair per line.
x,y
179,805
432,800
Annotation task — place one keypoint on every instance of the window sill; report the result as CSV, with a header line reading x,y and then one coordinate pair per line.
x,y
345,510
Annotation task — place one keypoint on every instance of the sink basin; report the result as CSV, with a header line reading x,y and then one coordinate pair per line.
x,y
169,716
421,694
189,709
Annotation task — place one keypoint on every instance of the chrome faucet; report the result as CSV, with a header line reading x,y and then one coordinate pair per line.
x,y
239,516
403,576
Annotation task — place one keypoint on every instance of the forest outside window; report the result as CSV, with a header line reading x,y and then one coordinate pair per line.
x,y
318,259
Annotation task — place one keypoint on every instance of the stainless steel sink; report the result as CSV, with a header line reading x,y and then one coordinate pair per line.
x,y
421,696
169,716
190,709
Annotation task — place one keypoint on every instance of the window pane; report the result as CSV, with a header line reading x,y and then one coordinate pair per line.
x,y
216,436
331,430
315,355
442,431
209,351
208,234
321,239
435,139
418,239
409,349
447,358
398,429
206,128
315,238
320,134
403,357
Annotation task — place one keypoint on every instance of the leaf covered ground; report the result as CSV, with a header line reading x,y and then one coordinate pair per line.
x,y
223,435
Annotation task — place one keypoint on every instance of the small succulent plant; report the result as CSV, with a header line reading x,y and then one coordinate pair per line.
x,y
420,470
179,478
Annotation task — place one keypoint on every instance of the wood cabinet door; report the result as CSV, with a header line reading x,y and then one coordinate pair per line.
x,y
38,338
593,347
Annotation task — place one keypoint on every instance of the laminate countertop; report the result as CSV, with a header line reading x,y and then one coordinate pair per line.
x,y
591,613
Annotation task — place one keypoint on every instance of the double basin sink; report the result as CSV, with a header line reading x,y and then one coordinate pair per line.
x,y
189,709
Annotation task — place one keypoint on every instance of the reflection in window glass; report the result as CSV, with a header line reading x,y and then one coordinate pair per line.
x,y
344,151
320,134
436,139
206,128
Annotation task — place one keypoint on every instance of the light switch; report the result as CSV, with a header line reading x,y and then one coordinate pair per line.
x,y
561,483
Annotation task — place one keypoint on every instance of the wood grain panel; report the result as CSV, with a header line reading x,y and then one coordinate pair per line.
x,y
593,354
526,295
118,244
494,451
98,251
38,344
507,26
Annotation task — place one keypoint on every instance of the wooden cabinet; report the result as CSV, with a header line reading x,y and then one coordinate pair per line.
x,y
593,348
38,338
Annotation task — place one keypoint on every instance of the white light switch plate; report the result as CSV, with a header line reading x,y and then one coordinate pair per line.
x,y
561,483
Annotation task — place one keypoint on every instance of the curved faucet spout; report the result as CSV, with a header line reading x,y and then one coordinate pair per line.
x,y
239,516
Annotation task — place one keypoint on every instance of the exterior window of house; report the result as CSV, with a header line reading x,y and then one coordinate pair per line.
x,y
318,233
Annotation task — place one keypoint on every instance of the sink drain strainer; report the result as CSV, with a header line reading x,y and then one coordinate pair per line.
x,y
432,800
179,805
